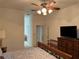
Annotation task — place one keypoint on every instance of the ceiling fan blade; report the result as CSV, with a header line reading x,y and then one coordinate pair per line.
x,y
33,10
56,8
35,4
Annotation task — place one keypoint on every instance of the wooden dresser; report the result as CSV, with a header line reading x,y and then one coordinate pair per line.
x,y
69,45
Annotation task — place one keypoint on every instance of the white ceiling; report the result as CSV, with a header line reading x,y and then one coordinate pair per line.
x,y
26,4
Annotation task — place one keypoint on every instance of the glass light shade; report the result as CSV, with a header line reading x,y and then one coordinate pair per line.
x,y
44,10
44,13
39,12
50,11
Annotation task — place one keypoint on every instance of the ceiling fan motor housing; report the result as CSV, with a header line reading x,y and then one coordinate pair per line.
x,y
44,4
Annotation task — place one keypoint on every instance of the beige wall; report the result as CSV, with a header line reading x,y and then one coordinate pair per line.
x,y
65,17
11,21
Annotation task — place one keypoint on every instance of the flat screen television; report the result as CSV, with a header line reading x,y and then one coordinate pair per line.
x,y
68,31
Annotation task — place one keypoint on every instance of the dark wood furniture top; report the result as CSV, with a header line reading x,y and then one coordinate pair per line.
x,y
70,46
54,50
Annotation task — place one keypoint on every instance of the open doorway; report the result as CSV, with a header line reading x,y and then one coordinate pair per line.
x,y
40,33
28,30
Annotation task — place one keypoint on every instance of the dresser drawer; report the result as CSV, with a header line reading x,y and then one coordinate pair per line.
x,y
70,45
70,51
76,54
76,44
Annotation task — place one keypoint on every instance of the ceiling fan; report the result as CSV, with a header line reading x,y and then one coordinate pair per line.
x,y
48,4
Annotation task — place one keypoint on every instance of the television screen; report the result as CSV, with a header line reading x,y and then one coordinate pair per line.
x,y
68,31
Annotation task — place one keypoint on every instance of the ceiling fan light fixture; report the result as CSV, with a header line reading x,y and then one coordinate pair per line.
x,y
44,13
50,11
48,7
39,12
44,10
